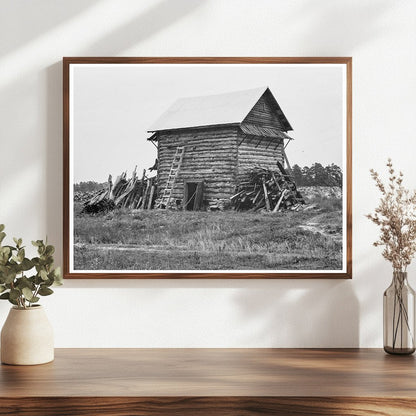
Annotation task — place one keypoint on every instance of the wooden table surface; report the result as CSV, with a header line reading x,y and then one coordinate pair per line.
x,y
212,381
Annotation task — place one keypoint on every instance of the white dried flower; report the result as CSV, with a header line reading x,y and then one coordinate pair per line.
x,y
396,217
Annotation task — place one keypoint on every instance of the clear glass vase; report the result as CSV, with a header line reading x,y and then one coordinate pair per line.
x,y
399,316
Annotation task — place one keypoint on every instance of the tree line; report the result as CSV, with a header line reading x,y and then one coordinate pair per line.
x,y
317,175
88,186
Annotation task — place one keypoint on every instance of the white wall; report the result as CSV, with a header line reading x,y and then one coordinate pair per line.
x,y
380,35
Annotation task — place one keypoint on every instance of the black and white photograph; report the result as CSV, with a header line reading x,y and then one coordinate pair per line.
x,y
207,168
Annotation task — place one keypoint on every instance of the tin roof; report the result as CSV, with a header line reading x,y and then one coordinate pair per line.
x,y
210,110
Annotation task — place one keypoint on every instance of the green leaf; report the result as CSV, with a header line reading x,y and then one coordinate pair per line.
x,y
2,236
13,302
17,241
48,260
38,280
2,288
9,277
26,264
45,291
48,282
24,282
4,255
37,243
2,227
28,294
14,268
7,296
43,274
5,250
21,255
15,293
49,250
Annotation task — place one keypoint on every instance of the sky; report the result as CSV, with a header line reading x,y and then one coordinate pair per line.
x,y
113,105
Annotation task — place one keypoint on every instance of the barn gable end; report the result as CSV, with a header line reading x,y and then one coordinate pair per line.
x,y
262,114
261,136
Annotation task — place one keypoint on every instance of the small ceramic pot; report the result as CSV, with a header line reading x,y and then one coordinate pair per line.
x,y
27,337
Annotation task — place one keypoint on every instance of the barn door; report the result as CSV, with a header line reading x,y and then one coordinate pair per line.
x,y
199,196
193,196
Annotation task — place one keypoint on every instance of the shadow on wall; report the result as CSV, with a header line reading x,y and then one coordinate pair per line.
x,y
156,18
301,313
54,146
329,23
35,18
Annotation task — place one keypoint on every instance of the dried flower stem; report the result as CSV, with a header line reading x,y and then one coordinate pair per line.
x,y
396,217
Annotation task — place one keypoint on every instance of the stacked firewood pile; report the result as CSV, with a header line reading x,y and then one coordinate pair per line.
x,y
83,196
271,190
133,193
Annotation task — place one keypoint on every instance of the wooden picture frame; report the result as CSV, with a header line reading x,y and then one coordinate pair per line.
x,y
245,135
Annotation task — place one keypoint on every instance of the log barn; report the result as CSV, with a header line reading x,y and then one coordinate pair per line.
x,y
206,145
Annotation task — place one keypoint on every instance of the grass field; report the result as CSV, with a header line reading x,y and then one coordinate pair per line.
x,y
172,240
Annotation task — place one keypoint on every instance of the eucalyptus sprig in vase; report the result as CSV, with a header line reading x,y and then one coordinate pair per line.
x,y
396,217
26,336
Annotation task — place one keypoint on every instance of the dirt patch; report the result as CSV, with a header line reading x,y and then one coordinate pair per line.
x,y
332,232
311,192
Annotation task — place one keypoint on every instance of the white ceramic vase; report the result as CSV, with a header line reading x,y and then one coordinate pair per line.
x,y
27,337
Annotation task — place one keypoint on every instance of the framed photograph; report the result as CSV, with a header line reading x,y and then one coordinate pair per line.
x,y
207,168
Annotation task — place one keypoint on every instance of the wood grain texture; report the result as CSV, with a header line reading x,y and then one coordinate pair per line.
x,y
263,153
207,406
210,156
263,114
214,372
67,61
207,60
212,381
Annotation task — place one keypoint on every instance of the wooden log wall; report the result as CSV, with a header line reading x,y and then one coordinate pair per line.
x,y
210,156
256,151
